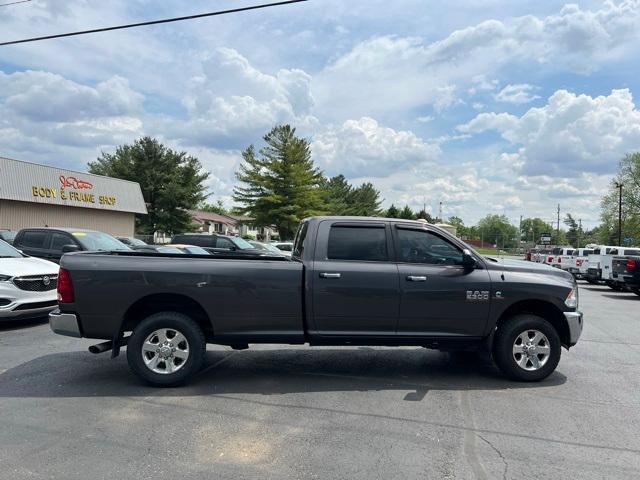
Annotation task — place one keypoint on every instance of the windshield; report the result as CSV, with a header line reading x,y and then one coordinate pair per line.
x,y
169,250
8,235
7,251
99,241
136,242
241,243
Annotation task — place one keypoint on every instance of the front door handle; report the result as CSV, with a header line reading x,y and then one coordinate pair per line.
x,y
416,278
329,275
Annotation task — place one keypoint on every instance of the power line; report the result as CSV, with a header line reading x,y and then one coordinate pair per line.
x,y
153,22
13,3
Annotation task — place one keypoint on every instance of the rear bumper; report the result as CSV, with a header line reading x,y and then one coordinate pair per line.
x,y
575,322
64,324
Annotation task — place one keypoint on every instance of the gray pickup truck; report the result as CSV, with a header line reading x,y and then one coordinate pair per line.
x,y
350,281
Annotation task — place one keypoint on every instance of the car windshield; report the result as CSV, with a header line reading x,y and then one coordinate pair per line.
x,y
99,241
136,242
241,243
7,251
8,235
266,247
169,250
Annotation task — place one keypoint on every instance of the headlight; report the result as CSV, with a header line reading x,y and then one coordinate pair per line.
x,y
572,299
4,278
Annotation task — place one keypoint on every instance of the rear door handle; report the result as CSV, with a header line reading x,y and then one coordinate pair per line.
x,y
416,278
330,275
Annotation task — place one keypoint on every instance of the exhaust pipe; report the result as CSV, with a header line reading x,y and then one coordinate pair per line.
x,y
101,347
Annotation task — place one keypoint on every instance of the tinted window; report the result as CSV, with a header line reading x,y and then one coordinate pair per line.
x,y
59,240
285,247
241,243
419,246
357,243
224,243
33,239
632,252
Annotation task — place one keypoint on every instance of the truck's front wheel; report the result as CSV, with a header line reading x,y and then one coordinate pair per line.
x,y
526,348
166,349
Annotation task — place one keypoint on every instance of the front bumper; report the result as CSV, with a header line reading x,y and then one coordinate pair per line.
x,y
64,324
575,322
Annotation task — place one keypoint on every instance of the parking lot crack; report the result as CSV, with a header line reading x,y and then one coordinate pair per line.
x,y
495,449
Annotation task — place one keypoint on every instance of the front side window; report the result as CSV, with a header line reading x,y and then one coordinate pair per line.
x,y
421,246
59,240
358,243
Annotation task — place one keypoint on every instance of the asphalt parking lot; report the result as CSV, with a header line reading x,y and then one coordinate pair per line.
x,y
326,413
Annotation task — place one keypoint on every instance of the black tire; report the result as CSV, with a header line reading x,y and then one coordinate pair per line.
x,y
503,344
616,287
169,320
636,291
591,281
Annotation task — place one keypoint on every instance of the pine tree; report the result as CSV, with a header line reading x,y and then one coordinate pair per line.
x,y
338,191
407,213
392,212
281,185
364,201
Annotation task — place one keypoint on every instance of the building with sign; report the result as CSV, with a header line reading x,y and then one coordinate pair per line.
x,y
33,195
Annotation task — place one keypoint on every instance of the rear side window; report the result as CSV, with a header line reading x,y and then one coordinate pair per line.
x,y
34,239
358,243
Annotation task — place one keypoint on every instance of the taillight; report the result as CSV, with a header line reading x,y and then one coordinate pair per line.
x,y
631,265
579,263
550,259
65,287
559,259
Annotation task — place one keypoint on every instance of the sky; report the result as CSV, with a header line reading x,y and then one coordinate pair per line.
x,y
487,106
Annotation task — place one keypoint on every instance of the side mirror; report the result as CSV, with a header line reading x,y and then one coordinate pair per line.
x,y
70,248
468,261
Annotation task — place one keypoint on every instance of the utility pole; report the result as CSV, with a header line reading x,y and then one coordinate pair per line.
x,y
579,231
619,187
441,219
520,232
558,228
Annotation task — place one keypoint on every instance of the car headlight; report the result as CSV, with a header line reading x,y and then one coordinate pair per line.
x,y
4,278
572,299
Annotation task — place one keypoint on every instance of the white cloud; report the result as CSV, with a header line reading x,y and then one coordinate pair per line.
x,y
392,73
572,132
363,145
232,103
518,93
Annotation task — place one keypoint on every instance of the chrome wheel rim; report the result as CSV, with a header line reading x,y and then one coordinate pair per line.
x,y
531,350
165,351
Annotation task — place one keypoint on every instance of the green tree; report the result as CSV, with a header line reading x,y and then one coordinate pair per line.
x,y
407,213
392,212
424,215
629,176
574,232
498,230
338,191
217,207
364,201
171,182
280,184
533,228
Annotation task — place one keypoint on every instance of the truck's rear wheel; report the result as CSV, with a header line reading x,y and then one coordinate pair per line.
x,y
636,290
526,348
166,349
615,286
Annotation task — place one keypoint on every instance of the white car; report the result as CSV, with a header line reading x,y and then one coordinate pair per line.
x,y
285,247
27,285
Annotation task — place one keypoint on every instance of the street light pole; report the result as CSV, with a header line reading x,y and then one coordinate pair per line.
x,y
619,187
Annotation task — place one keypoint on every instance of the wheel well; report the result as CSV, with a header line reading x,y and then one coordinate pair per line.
x,y
546,310
164,302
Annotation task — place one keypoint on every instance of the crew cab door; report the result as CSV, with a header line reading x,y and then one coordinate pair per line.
x,y
355,287
439,297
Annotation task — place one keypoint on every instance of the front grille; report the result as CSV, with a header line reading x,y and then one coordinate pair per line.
x,y
29,306
36,283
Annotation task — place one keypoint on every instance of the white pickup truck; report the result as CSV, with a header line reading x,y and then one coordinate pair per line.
x,y
560,255
574,264
593,271
606,263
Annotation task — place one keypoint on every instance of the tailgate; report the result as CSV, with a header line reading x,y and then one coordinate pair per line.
x,y
619,266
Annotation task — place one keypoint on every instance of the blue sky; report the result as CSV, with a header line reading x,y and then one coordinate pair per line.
x,y
488,106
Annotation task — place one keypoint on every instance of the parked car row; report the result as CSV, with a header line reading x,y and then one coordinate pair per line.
x,y
618,267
